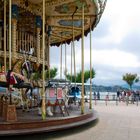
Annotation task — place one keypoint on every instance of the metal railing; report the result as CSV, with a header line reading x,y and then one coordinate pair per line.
x,y
116,100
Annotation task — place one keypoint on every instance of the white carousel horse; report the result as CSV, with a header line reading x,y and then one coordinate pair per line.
x,y
55,97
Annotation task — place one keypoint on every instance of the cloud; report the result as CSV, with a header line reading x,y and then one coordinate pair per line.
x,y
131,43
123,18
115,44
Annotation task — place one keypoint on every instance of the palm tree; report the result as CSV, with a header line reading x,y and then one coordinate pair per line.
x,y
130,79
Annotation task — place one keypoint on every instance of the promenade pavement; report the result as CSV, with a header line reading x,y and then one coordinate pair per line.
x,y
120,122
115,123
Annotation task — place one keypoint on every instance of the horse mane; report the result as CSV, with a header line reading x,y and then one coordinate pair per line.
x,y
17,66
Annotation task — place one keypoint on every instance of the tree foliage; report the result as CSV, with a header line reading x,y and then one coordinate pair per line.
x,y
79,76
37,75
53,73
130,79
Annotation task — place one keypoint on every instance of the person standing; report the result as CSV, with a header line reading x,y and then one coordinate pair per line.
x,y
98,95
94,95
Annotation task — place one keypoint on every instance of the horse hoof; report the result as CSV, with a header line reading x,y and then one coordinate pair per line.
x,y
50,113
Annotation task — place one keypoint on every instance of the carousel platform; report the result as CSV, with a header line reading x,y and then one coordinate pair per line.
x,y
31,122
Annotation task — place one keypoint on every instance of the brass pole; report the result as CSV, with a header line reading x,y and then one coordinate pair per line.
x,y
61,61
38,44
43,67
10,34
14,37
71,61
65,61
17,40
20,40
82,63
49,56
73,50
5,65
90,103
30,42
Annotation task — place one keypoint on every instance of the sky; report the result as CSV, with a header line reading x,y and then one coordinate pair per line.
x,y
115,44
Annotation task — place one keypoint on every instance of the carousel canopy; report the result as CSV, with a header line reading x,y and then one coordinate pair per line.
x,y
61,16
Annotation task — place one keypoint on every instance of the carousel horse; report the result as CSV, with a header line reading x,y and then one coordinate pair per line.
x,y
19,78
22,71
56,96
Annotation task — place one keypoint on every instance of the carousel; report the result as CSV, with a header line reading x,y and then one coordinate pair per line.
x,y
28,28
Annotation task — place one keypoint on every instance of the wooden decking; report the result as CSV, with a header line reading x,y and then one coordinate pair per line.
x,y
31,122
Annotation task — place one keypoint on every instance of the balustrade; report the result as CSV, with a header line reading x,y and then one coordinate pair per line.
x,y
26,43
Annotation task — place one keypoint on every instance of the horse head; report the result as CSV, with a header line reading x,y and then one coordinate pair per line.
x,y
26,69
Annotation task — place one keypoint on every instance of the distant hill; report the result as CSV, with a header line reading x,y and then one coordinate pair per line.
x,y
102,88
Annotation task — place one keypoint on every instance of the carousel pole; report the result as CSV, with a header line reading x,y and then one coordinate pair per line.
x,y
49,56
82,63
90,103
71,61
5,65
61,61
43,74
10,34
49,30
10,61
65,61
73,48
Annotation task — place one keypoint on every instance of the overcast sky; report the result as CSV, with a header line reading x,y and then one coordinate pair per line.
x,y
115,44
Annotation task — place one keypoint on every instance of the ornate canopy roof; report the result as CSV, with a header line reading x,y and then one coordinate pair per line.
x,y
61,16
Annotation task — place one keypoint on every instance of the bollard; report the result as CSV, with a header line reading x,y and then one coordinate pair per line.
x,y
106,99
116,100
127,100
95,100
137,100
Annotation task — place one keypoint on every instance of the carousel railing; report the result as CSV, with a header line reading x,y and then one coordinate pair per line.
x,y
25,42
25,45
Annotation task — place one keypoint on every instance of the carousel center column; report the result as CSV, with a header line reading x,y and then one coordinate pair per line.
x,y
11,114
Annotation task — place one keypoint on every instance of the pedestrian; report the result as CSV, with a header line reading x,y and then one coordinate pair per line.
x,y
98,95
94,95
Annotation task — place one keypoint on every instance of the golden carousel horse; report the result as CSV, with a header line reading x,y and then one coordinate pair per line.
x,y
19,78
23,70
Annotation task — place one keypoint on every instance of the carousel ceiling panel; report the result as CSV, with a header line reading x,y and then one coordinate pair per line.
x,y
61,16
